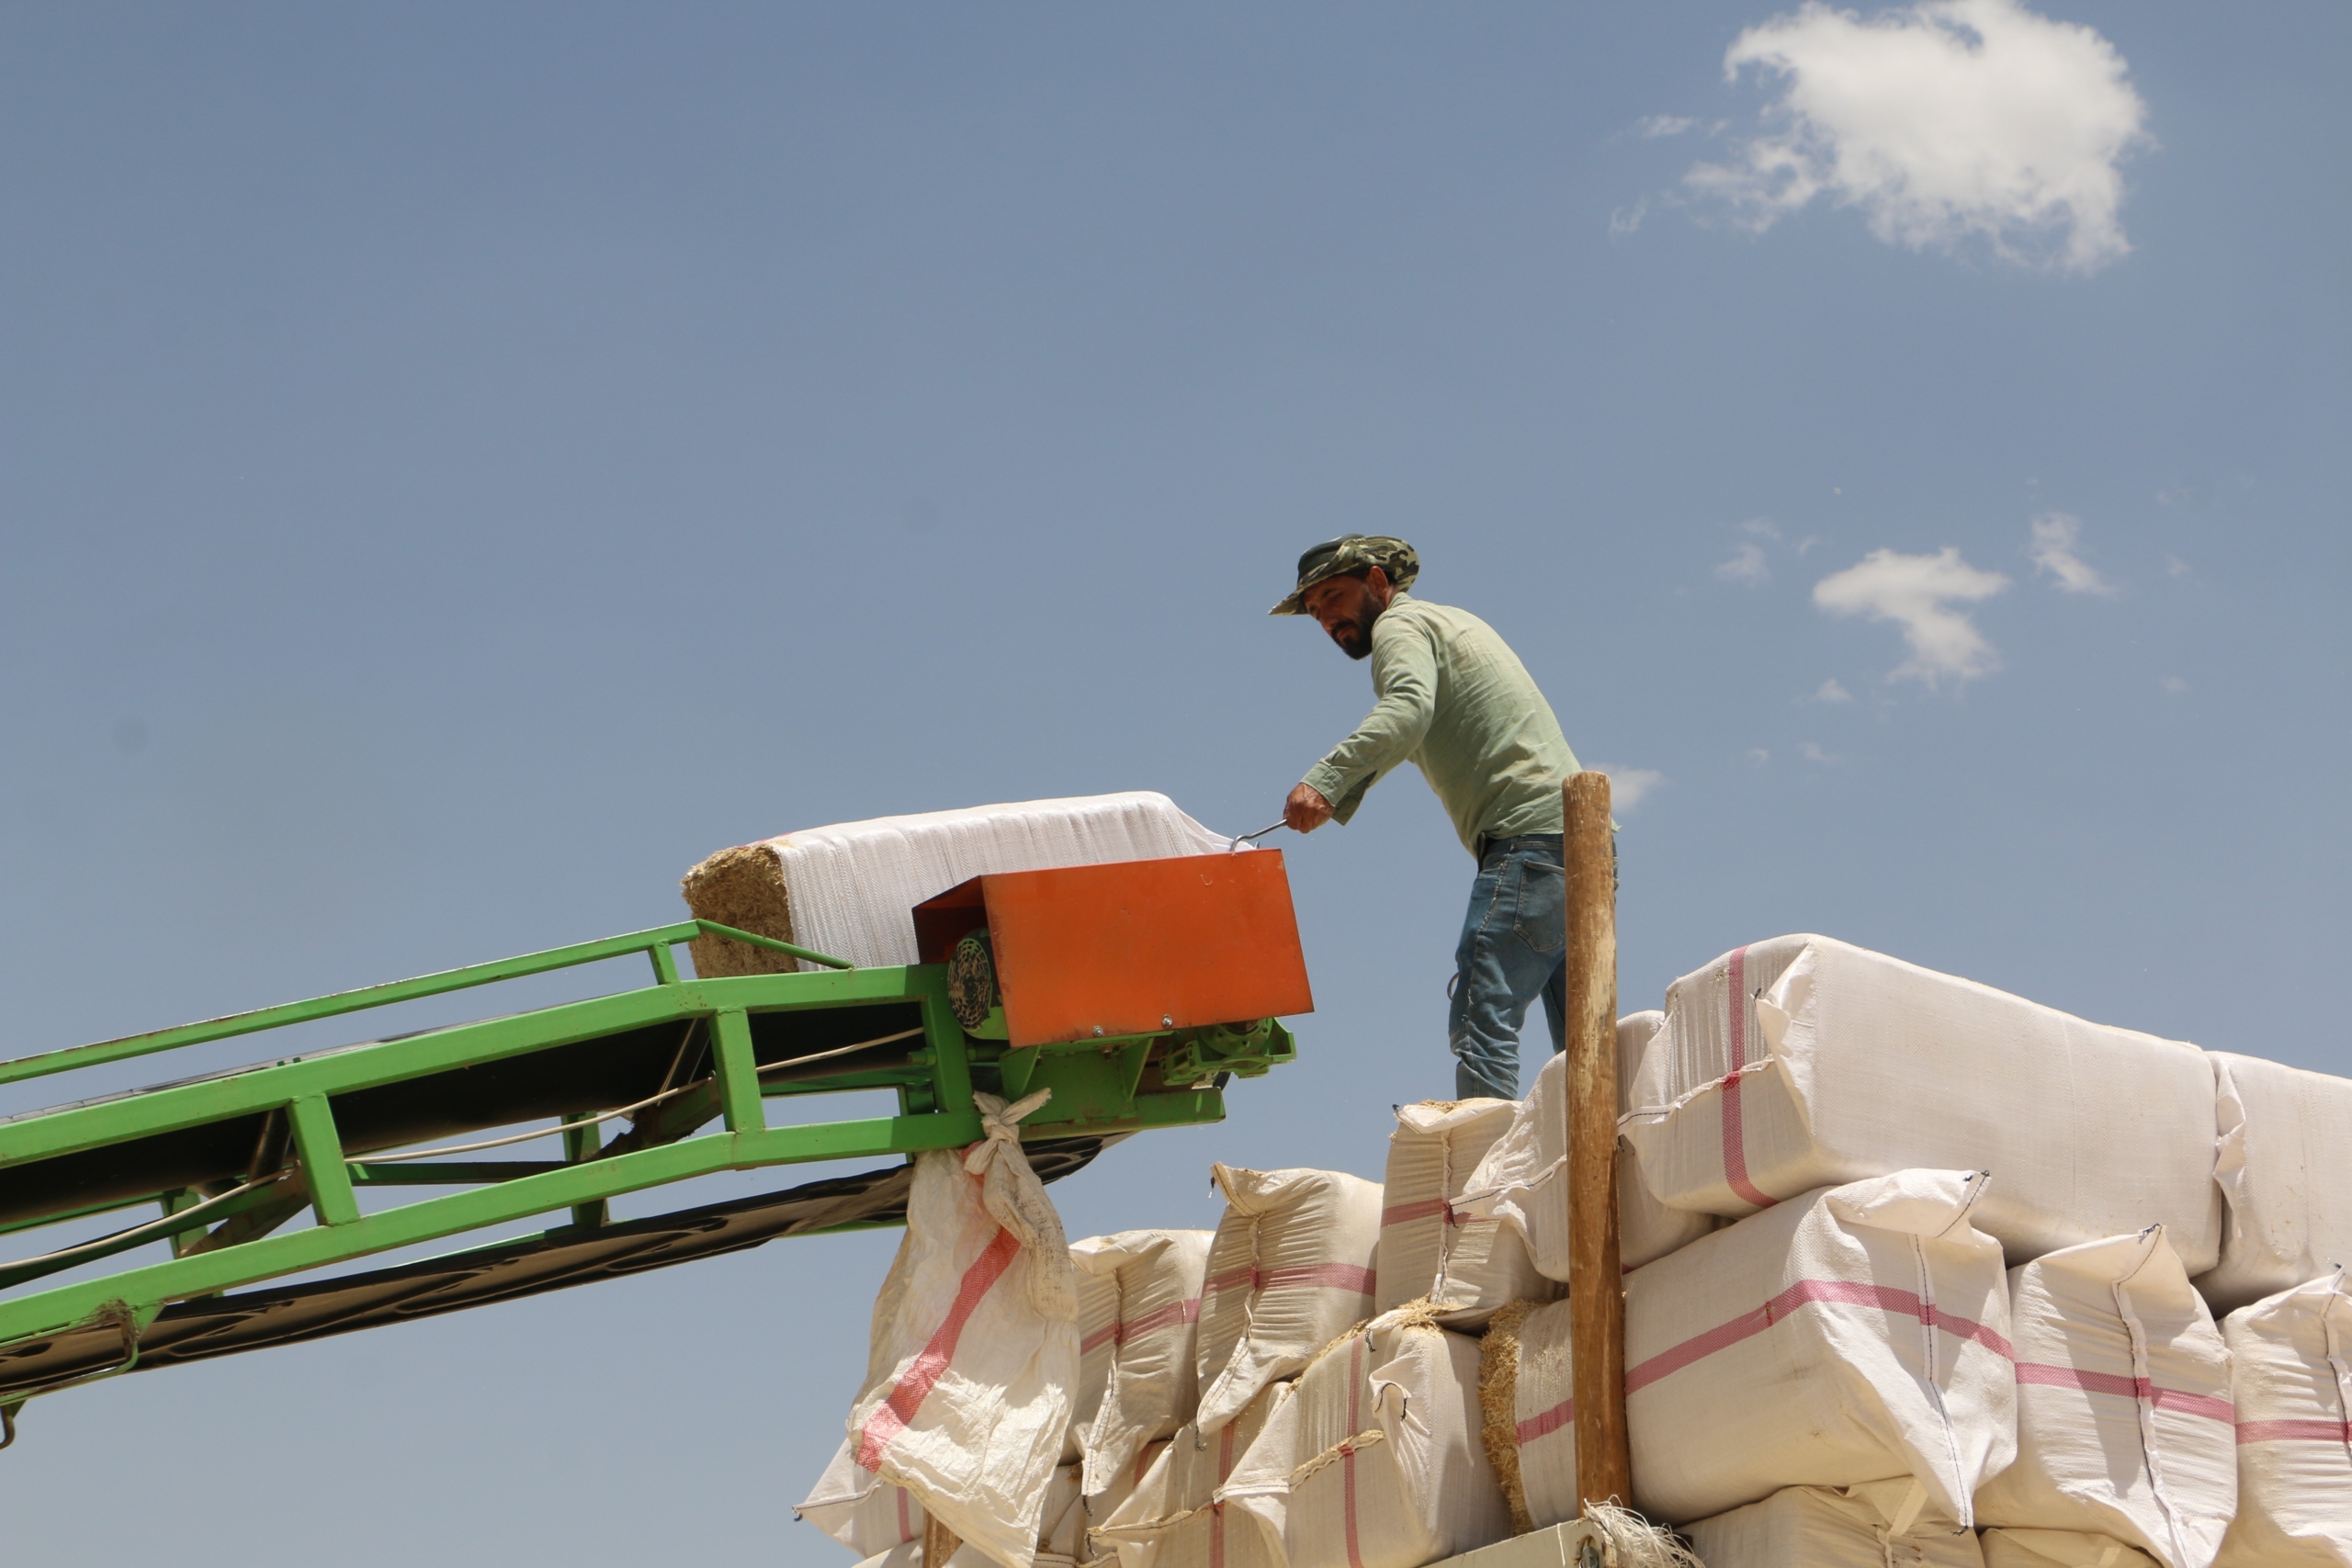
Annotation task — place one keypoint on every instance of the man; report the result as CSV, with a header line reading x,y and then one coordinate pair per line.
x,y
1455,701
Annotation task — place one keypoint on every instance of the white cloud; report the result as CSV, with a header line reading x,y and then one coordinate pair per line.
x,y
1665,124
2173,683
1747,565
1812,753
1758,755
1628,785
1625,220
2055,535
1945,122
2175,566
1917,593
1831,691
1762,527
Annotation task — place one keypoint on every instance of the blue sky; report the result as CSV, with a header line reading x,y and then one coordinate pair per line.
x,y
459,465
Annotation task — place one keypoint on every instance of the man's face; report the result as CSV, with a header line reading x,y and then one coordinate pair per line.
x,y
1346,606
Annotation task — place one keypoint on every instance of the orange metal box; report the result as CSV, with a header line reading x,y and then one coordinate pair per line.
x,y
1134,947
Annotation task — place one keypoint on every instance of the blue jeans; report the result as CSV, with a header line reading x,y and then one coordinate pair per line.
x,y
1514,944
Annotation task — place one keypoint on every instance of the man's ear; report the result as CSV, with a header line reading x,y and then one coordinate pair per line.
x,y
1377,581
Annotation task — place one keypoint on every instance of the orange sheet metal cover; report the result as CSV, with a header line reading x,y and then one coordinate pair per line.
x,y
1135,947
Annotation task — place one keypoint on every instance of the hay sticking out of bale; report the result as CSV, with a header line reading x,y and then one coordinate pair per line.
x,y
1634,1542
1498,1406
742,887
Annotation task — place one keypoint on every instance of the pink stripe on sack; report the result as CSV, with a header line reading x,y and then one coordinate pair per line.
x,y
1321,1275
1152,1322
2295,1431
1094,1341
898,1412
1216,1510
1549,1422
1735,1135
2203,1405
905,1524
1811,1293
1406,1213
1226,1281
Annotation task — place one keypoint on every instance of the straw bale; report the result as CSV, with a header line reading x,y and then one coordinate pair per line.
x,y
742,887
1498,1405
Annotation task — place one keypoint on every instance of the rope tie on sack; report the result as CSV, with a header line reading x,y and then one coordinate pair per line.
x,y
1000,1127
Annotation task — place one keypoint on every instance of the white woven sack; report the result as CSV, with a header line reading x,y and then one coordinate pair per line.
x,y
1374,1460
1521,1179
853,886
1098,1329
1877,1525
970,1380
2291,1366
1175,1516
1542,1416
2059,1549
1061,1540
1466,1264
1291,1267
1152,1386
1857,1333
2124,1422
1101,1506
2284,1161
859,1508
1803,1062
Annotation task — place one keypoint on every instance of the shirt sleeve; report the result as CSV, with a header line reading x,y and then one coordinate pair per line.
x,y
1403,679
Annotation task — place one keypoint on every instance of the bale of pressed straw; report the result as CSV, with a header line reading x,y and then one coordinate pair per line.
x,y
742,887
1498,1405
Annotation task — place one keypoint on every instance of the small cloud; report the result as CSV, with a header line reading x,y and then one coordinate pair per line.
x,y
1831,691
1814,753
1762,527
1946,123
1917,593
1807,543
2055,536
1625,220
1747,565
1628,785
2189,492
2173,683
1758,755
2174,565
1664,124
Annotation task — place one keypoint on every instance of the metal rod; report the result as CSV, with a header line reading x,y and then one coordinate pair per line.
x,y
1596,1286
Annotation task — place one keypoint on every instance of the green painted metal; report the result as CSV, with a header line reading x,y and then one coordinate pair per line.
x,y
225,1236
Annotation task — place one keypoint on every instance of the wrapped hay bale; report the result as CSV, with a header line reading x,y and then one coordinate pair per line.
x,y
1150,1340
1292,1266
2124,1422
1061,1536
1522,1180
1800,1062
1854,1335
1877,1525
1374,1460
2284,1161
1097,1331
1465,1265
2291,1371
1528,1412
849,890
1176,1517
1101,1505
2059,1549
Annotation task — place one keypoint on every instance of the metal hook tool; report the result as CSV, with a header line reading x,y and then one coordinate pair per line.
x,y
1258,834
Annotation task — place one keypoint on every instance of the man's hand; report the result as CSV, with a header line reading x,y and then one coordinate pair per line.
x,y
1307,810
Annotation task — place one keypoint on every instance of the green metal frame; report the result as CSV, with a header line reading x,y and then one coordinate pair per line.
x,y
1099,1088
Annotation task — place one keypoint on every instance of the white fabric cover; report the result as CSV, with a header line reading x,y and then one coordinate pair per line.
x,y
2291,1365
1098,1329
2284,1161
1877,1525
1466,1264
969,1379
1061,1538
1176,1515
1856,1334
853,886
2124,1422
1374,1460
1521,1179
2059,1549
1851,1065
1101,1506
1291,1267
1148,1343
859,1509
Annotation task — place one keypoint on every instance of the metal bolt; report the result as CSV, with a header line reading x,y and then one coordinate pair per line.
x,y
1098,1032
1166,1020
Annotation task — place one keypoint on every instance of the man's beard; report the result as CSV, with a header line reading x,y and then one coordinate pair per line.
x,y
1355,637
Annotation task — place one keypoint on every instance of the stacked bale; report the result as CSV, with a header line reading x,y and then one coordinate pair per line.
x,y
2283,1158
1464,1264
1294,1263
2291,1374
1150,1342
1876,1526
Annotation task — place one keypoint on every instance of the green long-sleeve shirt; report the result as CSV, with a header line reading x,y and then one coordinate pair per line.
x,y
1455,700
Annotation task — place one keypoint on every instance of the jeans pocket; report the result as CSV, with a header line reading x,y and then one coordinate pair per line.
x,y
1540,920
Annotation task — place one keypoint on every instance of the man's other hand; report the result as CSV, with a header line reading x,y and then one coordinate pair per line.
x,y
1307,810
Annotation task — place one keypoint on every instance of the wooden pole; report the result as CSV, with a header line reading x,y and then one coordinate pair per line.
x,y
1596,1290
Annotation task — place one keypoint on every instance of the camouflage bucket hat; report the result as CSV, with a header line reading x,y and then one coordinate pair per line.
x,y
1348,553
